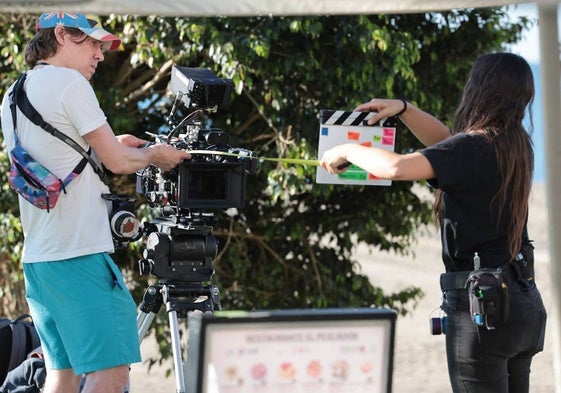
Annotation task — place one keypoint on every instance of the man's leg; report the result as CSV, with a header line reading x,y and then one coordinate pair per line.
x,y
62,381
111,380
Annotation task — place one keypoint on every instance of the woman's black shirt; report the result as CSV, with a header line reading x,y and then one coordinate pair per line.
x,y
466,171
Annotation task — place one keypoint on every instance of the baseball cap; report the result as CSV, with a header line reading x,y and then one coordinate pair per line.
x,y
89,24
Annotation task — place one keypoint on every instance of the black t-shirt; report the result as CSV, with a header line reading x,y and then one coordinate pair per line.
x,y
467,173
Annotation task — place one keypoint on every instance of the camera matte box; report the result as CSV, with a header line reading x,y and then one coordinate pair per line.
x,y
312,351
211,185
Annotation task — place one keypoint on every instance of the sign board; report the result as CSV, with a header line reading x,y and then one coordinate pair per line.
x,y
296,351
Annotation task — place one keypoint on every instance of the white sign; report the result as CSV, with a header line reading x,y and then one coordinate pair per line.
x,y
341,357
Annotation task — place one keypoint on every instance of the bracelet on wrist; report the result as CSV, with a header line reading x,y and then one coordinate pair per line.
x,y
404,107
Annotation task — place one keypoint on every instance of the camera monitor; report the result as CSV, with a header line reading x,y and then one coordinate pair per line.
x,y
201,88
312,351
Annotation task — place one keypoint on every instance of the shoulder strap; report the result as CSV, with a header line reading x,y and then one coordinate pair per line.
x,y
13,104
30,112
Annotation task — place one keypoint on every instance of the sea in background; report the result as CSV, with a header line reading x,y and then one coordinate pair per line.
x,y
538,133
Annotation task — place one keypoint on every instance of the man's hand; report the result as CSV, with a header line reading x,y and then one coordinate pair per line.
x,y
166,156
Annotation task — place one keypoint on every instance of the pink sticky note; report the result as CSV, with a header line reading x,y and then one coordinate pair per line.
x,y
386,140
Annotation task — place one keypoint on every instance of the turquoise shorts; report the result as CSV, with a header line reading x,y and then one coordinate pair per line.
x,y
84,314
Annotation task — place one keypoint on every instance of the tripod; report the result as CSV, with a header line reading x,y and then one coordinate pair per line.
x,y
179,298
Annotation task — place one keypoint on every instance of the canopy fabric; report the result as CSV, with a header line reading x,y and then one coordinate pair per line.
x,y
247,7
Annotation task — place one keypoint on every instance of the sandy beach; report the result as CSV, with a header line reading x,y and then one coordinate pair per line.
x,y
419,357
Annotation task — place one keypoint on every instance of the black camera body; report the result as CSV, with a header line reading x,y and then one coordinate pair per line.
x,y
180,246
205,182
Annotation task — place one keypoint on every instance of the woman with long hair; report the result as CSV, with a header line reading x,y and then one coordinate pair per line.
x,y
482,171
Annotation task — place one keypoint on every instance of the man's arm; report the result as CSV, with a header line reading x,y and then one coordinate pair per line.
x,y
128,156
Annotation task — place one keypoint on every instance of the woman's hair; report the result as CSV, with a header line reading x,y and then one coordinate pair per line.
x,y
499,89
44,44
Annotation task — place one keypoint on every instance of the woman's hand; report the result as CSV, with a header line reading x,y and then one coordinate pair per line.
x,y
335,160
428,129
383,107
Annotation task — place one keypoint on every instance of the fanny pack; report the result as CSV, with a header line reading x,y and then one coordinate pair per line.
x,y
34,182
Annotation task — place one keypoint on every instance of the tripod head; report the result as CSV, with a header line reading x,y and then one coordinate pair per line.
x,y
178,252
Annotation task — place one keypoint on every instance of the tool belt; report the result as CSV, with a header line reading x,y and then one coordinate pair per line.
x,y
521,271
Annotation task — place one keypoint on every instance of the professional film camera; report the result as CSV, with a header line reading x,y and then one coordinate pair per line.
x,y
180,247
180,244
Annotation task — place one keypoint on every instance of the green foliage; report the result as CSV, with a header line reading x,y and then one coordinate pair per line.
x,y
291,246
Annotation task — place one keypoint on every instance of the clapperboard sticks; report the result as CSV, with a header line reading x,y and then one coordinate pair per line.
x,y
352,118
345,118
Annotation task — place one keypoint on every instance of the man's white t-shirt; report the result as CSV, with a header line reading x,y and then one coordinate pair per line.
x,y
78,224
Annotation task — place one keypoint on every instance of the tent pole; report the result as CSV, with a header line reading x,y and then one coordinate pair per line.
x,y
551,97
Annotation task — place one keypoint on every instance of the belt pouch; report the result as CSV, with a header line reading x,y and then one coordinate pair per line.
x,y
488,297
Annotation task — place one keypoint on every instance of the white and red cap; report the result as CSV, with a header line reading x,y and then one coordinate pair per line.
x,y
89,24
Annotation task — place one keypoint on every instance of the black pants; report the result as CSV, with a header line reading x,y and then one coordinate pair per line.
x,y
493,361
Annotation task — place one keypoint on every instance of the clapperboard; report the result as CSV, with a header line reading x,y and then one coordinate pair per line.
x,y
338,127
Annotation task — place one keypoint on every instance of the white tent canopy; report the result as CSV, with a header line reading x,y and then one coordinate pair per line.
x,y
247,7
549,49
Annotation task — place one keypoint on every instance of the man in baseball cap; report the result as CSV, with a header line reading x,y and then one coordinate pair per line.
x,y
70,40
80,304
88,24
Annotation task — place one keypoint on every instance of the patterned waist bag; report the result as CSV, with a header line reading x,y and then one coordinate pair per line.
x,y
34,182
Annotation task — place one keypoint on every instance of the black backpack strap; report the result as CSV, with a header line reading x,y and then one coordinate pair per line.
x,y
20,98
24,339
6,343
32,336
19,341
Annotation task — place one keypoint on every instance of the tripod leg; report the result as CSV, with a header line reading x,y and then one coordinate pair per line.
x,y
176,347
175,339
215,297
143,322
148,309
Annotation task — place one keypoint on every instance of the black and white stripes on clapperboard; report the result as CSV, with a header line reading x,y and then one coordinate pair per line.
x,y
338,127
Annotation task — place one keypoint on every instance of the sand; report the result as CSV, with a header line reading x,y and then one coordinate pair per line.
x,y
419,357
